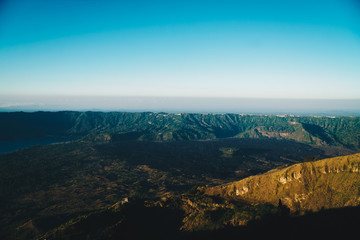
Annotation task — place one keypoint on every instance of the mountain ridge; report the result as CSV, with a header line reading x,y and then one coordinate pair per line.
x,y
148,126
309,186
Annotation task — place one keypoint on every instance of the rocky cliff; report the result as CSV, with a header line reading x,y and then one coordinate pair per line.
x,y
328,183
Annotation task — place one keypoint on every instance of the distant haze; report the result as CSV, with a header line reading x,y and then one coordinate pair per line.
x,y
322,107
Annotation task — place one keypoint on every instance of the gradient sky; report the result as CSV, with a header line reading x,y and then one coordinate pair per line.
x,y
242,49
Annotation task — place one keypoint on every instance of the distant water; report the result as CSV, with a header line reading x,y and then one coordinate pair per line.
x,y
10,146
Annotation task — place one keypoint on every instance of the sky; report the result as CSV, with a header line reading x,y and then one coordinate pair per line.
x,y
280,49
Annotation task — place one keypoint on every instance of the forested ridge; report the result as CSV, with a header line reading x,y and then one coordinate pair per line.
x,y
147,126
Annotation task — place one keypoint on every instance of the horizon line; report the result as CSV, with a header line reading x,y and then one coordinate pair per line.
x,y
164,96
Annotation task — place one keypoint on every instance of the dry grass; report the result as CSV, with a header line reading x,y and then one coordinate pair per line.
x,y
328,183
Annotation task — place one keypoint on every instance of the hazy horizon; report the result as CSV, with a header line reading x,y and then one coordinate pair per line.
x,y
321,107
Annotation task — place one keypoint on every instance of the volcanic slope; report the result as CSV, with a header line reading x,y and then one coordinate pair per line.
x,y
327,183
266,205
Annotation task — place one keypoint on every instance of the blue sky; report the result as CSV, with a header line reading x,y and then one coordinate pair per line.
x,y
298,49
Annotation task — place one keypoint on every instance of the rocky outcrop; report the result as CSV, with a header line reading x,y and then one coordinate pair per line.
x,y
328,183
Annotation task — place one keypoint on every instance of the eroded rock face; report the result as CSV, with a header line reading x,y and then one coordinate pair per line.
x,y
242,191
351,168
327,183
288,178
283,180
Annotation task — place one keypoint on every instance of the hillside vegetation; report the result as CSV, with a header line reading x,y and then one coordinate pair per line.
x,y
328,183
317,186
120,126
60,181
329,187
